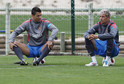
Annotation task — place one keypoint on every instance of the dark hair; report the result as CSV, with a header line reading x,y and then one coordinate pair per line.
x,y
34,10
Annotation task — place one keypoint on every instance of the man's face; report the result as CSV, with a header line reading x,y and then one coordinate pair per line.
x,y
37,17
104,20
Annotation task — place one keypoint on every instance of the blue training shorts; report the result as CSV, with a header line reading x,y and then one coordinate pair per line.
x,y
34,50
102,46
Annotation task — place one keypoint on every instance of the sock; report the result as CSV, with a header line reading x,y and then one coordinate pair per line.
x,y
18,52
44,53
94,59
107,58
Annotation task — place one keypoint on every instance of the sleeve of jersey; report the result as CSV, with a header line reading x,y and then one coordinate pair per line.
x,y
17,31
109,35
53,30
93,30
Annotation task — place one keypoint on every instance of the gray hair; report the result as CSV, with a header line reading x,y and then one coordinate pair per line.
x,y
106,12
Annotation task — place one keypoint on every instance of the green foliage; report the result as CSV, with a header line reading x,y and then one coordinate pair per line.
x,y
60,70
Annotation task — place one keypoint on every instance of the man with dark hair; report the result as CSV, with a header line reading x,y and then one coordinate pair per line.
x,y
107,45
39,43
33,11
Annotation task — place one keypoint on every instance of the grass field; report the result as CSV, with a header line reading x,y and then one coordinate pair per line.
x,y
62,22
60,70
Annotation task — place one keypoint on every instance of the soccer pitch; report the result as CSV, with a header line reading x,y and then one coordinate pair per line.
x,y
62,22
60,70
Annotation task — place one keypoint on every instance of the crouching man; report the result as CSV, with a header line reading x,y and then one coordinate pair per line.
x,y
40,43
108,44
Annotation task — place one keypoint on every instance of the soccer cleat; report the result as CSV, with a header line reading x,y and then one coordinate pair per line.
x,y
36,63
111,61
23,63
35,59
105,64
92,64
42,61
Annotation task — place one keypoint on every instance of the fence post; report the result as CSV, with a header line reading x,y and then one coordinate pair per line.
x,y
90,15
73,25
62,42
7,23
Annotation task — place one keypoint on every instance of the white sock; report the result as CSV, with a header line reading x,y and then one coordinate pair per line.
x,y
107,58
94,59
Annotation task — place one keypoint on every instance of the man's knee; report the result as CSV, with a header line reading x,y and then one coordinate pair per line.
x,y
110,41
46,45
52,44
90,43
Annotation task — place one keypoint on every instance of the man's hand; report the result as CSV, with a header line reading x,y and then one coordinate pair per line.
x,y
92,36
50,44
11,45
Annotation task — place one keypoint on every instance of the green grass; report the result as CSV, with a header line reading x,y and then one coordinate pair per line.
x,y
60,70
62,22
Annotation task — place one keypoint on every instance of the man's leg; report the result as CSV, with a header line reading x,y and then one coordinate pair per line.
x,y
44,52
110,44
90,48
19,50
115,53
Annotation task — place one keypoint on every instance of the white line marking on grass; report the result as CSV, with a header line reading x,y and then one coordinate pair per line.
x,y
26,67
17,68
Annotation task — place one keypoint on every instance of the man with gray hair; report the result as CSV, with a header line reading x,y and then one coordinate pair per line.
x,y
105,43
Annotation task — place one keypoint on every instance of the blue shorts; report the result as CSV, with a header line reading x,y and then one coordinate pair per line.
x,y
102,46
34,50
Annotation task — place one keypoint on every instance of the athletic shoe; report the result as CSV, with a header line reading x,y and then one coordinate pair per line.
x,y
35,59
112,62
36,63
41,62
24,63
92,64
105,64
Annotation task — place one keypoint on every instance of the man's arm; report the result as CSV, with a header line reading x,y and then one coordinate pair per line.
x,y
54,32
90,34
15,33
109,35
93,30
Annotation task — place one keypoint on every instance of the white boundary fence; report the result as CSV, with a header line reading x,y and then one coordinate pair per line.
x,y
90,11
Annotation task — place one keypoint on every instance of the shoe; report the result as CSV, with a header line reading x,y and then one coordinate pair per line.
x,y
111,61
17,62
35,59
92,64
41,62
36,63
23,63
106,64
